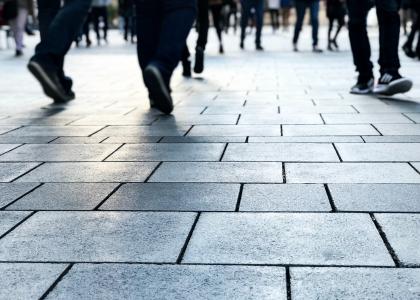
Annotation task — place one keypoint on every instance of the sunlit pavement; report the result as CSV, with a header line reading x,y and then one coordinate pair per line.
x,y
270,181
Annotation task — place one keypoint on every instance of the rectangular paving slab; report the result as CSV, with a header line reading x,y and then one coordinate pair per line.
x,y
60,152
379,152
279,238
284,197
235,130
11,171
110,281
351,173
223,172
305,139
392,139
8,219
27,280
317,130
376,197
13,190
204,139
403,233
365,118
280,152
277,119
174,196
64,196
4,129
399,129
91,172
7,139
55,131
355,283
98,237
7,147
138,131
169,152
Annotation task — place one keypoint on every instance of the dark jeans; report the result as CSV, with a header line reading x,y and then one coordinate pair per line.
x,y
216,13
301,6
247,5
100,13
162,29
59,26
389,33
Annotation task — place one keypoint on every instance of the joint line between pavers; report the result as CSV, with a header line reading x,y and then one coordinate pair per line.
x,y
205,108
352,106
330,198
288,284
98,130
97,207
188,131
223,152
404,114
20,197
237,121
57,281
109,155
380,133
12,149
336,151
238,201
323,120
411,165
187,240
104,140
12,130
27,172
17,225
153,172
283,172
54,139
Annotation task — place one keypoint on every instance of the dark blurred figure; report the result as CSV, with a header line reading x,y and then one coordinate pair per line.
x,y
127,12
85,31
286,7
390,81
258,7
18,11
301,6
336,11
216,7
99,13
274,10
162,29
406,14
415,28
231,10
59,27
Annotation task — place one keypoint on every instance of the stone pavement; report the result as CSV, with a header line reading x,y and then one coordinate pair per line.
x,y
269,181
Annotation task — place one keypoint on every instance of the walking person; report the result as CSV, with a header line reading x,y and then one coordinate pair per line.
x,y
22,8
301,6
231,10
336,11
162,29
126,11
274,9
390,81
415,29
286,7
258,7
99,13
59,27
216,7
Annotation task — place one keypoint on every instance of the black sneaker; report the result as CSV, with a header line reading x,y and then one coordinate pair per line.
x,y
186,69
408,51
67,83
389,85
199,60
363,86
18,53
159,93
258,47
49,80
221,49
315,49
241,45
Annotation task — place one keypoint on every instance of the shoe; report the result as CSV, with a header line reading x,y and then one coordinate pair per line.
x,y
315,49
258,47
330,48
67,83
18,53
199,60
408,51
49,80
221,49
159,92
186,69
334,42
295,47
241,45
363,86
389,85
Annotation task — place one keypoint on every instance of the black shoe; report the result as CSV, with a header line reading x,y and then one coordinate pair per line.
x,y
18,53
408,51
258,47
391,84
330,48
49,80
67,83
315,49
334,42
295,47
186,68
363,86
159,93
221,49
241,45
199,60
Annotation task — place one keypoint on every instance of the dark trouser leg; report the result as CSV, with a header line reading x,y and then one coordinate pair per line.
x,y
359,41
126,26
300,15
330,28
340,25
96,20
389,34
314,8
216,12
104,15
259,16
246,10
62,30
202,23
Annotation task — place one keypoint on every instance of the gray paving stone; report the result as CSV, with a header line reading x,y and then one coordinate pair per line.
x,y
305,139
10,171
276,238
399,129
174,196
204,139
403,233
139,131
11,191
98,237
116,120
91,172
8,219
64,196
60,152
280,152
417,166
228,172
54,131
376,197
232,110
326,109
7,147
284,197
27,281
317,130
384,108
365,119
415,117
5,139
131,139
4,129
235,130
78,140
350,173
50,120
168,152
197,120
111,281
393,139
355,283
380,152
274,119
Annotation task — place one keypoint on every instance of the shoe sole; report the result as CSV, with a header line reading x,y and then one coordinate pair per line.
x,y
159,92
366,92
50,89
398,86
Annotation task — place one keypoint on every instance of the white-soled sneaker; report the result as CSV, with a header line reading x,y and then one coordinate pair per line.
x,y
389,85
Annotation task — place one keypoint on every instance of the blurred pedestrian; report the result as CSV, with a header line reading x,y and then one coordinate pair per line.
x,y
231,10
301,6
216,7
274,9
127,12
258,7
286,7
336,11
162,29
22,9
415,29
99,14
59,27
390,81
